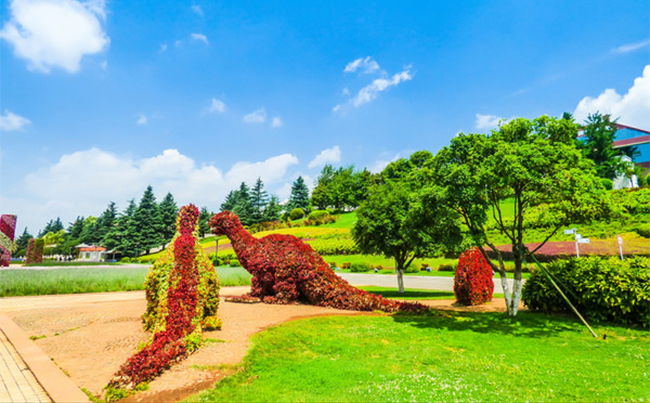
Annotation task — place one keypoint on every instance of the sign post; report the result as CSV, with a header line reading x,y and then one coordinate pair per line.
x,y
578,238
620,245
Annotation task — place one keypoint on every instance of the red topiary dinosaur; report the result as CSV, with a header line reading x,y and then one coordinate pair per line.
x,y
286,270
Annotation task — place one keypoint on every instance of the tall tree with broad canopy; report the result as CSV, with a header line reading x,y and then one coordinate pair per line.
x,y
533,162
598,145
402,222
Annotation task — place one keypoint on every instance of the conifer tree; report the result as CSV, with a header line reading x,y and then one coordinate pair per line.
x,y
147,223
273,209
204,221
23,240
299,197
243,208
259,200
230,202
106,221
168,211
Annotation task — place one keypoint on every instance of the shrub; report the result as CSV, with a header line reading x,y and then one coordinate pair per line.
x,y
125,260
333,265
317,214
635,201
234,263
446,267
412,269
335,246
643,229
473,283
424,266
608,184
345,265
297,213
600,288
359,267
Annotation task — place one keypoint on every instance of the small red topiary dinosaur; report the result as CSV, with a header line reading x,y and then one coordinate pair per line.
x,y
286,270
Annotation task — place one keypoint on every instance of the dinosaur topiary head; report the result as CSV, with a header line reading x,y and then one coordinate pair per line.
x,y
224,223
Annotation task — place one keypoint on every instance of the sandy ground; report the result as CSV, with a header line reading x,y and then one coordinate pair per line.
x,y
90,341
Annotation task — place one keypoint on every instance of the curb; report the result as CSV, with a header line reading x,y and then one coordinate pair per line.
x,y
57,385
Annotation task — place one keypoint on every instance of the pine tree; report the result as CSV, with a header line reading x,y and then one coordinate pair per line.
x,y
52,226
299,197
243,208
121,235
75,228
147,222
23,240
168,211
230,202
599,132
259,200
204,221
90,232
273,209
106,221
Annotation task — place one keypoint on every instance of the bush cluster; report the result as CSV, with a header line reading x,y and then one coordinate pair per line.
x,y
446,267
287,270
297,213
360,267
634,201
182,291
473,283
600,288
336,246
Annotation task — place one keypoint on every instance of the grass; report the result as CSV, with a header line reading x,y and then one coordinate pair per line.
x,y
441,357
413,293
54,263
14,283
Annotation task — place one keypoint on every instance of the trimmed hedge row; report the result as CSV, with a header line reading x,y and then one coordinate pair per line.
x,y
601,288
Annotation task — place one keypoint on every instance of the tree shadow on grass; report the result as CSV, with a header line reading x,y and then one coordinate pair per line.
x,y
525,324
409,294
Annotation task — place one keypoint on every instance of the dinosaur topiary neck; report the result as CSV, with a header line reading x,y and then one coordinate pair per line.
x,y
240,239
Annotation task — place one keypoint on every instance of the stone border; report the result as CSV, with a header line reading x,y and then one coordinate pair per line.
x,y
58,386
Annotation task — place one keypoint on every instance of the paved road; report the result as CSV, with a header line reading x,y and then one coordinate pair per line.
x,y
421,282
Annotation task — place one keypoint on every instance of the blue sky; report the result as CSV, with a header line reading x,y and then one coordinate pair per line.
x,y
100,99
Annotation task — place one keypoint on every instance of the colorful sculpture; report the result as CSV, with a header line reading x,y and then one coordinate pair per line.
x,y
177,325
7,232
286,270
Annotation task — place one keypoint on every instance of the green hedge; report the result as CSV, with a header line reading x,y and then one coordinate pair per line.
x,y
340,246
602,288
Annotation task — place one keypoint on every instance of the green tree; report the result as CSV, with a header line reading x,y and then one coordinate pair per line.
x,y
231,201
599,133
168,211
402,222
122,235
533,164
75,228
51,226
147,223
243,206
299,197
23,240
259,200
341,189
204,221
273,209
90,231
106,221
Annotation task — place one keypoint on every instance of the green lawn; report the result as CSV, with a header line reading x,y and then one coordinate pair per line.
x,y
54,263
443,357
413,293
74,281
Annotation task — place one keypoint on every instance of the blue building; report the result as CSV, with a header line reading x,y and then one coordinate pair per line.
x,y
631,136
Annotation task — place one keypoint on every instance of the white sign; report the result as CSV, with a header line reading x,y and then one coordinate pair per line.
x,y
578,237
583,240
620,240
569,231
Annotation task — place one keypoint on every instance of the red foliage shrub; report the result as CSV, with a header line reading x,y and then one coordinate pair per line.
x,y
35,251
7,231
171,344
473,283
286,270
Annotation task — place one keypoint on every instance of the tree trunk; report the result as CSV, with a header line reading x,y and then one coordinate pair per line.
x,y
400,276
513,307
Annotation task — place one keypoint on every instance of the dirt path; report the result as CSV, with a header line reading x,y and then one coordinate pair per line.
x,y
91,340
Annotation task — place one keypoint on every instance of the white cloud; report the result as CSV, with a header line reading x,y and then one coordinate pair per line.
x,y
142,120
631,47
487,121
104,65
178,43
216,106
632,109
10,121
55,33
380,164
366,66
163,47
277,122
196,9
259,116
371,92
200,37
327,156
84,182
